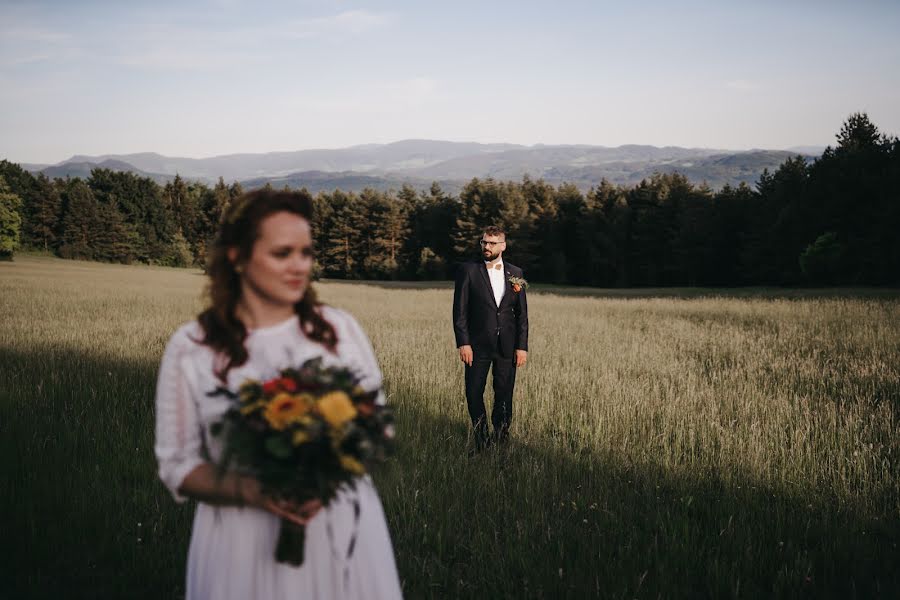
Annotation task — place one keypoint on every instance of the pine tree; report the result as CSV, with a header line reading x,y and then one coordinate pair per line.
x,y
574,228
183,204
650,231
43,215
116,240
606,225
480,202
80,221
387,229
340,247
732,204
859,134
10,221
531,230
140,201
215,204
432,221
693,245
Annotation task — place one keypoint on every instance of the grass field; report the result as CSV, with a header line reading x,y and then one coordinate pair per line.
x,y
742,445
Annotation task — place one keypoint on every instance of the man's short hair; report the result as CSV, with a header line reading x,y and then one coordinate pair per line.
x,y
495,231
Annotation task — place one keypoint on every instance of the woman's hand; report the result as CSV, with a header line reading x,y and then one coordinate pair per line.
x,y
299,513
205,485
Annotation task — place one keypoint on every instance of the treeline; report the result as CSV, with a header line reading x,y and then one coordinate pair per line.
x,y
834,221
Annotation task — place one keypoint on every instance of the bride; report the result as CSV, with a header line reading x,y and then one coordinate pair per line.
x,y
262,317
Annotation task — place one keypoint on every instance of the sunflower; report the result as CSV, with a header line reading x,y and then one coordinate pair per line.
x,y
336,408
284,409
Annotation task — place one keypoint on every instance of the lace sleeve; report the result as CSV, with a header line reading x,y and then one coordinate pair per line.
x,y
178,438
357,350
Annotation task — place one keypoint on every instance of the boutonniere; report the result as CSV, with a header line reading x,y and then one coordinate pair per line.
x,y
517,283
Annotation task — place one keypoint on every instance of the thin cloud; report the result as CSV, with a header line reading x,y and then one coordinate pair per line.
x,y
25,44
163,45
348,22
35,35
27,59
185,48
180,59
742,85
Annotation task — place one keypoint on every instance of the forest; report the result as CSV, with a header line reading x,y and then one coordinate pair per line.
x,y
830,221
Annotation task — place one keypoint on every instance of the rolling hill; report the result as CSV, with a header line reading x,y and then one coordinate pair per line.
x,y
419,162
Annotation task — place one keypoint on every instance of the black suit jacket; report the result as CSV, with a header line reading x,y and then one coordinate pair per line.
x,y
478,321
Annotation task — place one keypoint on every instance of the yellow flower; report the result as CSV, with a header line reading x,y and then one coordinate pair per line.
x,y
300,437
283,409
336,408
352,465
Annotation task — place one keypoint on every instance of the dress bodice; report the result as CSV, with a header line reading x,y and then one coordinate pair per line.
x,y
186,411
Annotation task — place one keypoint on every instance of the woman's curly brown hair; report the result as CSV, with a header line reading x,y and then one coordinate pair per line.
x,y
222,329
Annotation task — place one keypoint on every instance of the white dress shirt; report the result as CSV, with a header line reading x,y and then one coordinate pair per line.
x,y
498,279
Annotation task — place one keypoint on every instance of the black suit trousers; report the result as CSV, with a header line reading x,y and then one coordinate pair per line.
x,y
504,373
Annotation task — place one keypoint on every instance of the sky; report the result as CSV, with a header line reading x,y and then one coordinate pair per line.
x,y
213,77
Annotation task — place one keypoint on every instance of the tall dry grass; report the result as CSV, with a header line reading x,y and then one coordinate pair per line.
x,y
725,446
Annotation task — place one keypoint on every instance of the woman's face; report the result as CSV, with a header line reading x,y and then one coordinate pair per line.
x,y
279,268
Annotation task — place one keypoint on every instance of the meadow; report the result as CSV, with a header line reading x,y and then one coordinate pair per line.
x,y
666,444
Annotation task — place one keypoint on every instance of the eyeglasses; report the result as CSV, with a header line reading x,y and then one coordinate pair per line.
x,y
487,243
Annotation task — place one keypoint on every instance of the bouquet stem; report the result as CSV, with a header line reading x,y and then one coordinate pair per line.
x,y
291,542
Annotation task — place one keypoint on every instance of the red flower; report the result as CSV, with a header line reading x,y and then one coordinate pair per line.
x,y
517,288
271,386
280,384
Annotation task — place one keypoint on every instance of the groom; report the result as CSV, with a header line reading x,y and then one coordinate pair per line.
x,y
490,320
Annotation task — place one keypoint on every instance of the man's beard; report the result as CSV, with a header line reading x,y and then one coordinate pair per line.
x,y
490,256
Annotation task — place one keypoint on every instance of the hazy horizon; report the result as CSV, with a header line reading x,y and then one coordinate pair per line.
x,y
110,154
221,77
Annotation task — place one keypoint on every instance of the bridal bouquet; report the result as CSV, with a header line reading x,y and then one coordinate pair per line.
x,y
304,434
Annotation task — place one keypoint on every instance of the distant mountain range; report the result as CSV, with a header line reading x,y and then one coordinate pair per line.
x,y
452,164
74,168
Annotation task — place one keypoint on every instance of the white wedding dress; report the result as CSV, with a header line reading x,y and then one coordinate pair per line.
x,y
231,553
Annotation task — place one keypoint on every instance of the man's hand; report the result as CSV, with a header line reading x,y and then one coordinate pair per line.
x,y
521,358
465,355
